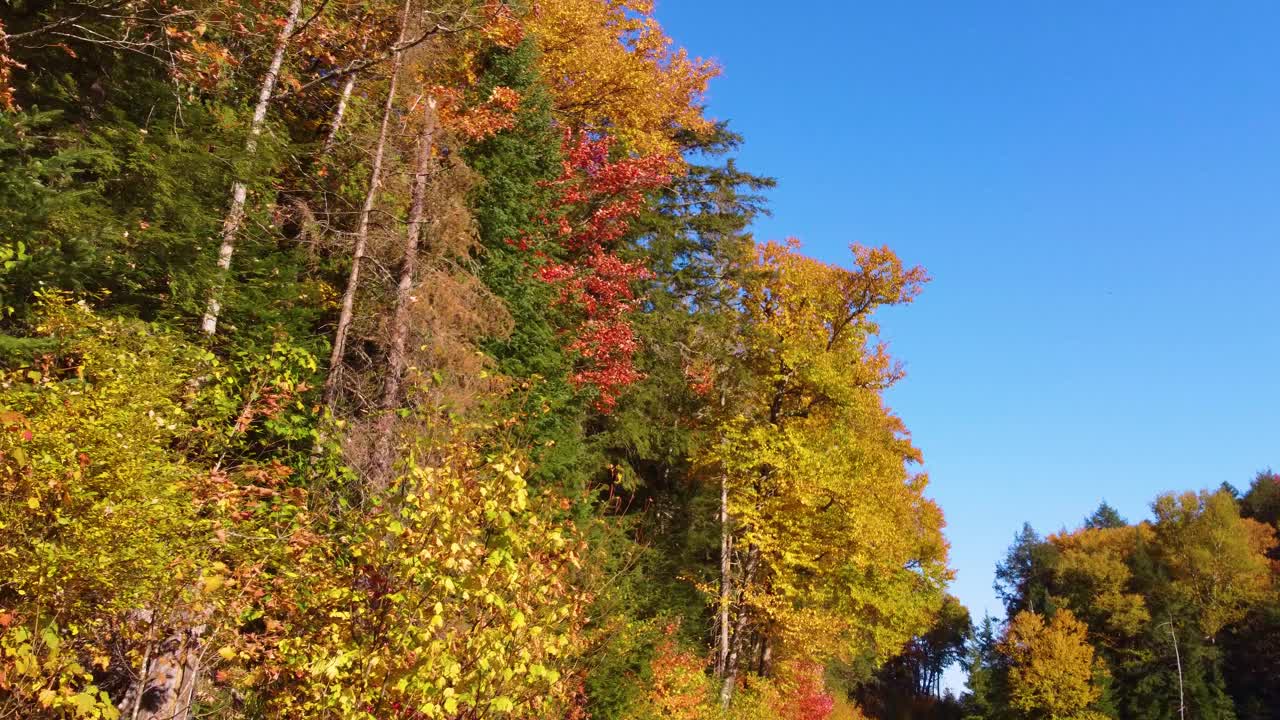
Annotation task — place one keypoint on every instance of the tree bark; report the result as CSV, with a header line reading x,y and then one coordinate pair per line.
x,y
332,379
239,189
741,625
1177,656
339,113
726,579
396,348
766,654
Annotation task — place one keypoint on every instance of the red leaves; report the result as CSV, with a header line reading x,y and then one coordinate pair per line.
x,y
679,690
808,699
701,377
603,197
597,200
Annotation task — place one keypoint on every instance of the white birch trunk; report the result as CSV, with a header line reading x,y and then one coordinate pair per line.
x,y
239,189
726,579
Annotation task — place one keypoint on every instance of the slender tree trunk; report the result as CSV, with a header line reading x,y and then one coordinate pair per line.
x,y
344,97
726,578
339,112
331,382
1177,656
740,627
239,189
396,351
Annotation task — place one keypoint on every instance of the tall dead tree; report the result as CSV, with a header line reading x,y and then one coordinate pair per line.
x,y
397,345
332,383
340,112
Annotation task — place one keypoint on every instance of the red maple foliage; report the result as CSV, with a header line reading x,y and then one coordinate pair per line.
x,y
808,698
597,198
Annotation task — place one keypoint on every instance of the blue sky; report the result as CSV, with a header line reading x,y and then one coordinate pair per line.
x,y
1094,187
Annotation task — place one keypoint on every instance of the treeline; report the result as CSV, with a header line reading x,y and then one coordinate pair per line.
x,y
1176,617
414,360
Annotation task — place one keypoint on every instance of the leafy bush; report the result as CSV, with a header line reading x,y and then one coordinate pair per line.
x,y
97,517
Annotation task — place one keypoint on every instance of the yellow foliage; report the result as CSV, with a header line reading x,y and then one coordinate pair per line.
x,y
1051,666
1096,563
847,710
454,591
1217,559
453,598
97,516
850,553
611,68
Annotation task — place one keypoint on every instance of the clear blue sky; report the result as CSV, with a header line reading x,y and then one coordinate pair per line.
x,y
1094,187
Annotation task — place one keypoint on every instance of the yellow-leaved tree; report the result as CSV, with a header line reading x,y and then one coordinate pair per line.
x,y
830,547
1052,669
1094,564
1218,559
610,66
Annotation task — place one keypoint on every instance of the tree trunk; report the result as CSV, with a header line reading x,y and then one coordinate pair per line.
x,y
396,350
1177,656
766,654
740,627
726,579
239,189
339,112
332,380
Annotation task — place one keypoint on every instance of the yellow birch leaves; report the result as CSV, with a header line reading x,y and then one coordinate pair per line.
x,y
852,558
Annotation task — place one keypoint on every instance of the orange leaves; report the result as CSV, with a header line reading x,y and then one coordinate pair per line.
x,y
679,689
502,27
7,66
610,67
808,698
476,122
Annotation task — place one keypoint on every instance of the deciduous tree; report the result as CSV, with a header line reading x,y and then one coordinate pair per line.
x,y
1052,668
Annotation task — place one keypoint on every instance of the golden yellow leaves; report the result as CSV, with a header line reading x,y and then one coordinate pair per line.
x,y
1094,564
817,466
1052,666
1215,557
609,65
815,319
462,598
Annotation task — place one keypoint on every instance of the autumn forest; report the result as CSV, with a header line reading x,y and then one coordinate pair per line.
x,y
410,359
